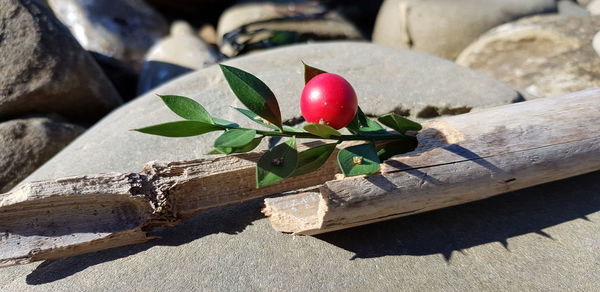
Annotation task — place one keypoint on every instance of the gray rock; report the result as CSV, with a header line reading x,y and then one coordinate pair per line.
x,y
544,238
43,69
542,55
27,143
568,7
181,52
253,25
596,43
385,80
594,7
445,28
120,29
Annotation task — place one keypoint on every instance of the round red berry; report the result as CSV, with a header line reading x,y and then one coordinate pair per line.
x,y
328,98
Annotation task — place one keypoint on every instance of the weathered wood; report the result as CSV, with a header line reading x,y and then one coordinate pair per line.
x,y
70,216
459,159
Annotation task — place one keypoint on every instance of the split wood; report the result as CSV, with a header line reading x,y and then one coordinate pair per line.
x,y
459,159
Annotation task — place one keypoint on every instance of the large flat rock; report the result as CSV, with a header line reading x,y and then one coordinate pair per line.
x,y
385,80
544,238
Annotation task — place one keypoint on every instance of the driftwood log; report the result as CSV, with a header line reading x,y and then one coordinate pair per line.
x,y
75,215
459,159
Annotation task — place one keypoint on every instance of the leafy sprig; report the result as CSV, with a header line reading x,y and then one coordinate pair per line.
x,y
283,160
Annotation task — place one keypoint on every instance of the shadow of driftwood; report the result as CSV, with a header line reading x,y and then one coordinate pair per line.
x,y
492,220
229,220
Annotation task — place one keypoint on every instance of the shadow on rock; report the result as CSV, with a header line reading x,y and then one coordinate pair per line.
x,y
229,220
492,220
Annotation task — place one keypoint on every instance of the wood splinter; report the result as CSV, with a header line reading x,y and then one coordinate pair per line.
x,y
459,159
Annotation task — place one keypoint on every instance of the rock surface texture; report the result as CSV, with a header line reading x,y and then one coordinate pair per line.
x,y
27,143
254,25
594,7
542,55
445,28
120,29
182,51
410,83
541,238
43,69
596,43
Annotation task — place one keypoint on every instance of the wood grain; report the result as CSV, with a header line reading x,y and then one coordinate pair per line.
x,y
459,159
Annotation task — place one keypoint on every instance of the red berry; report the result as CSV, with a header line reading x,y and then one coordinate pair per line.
x,y
330,99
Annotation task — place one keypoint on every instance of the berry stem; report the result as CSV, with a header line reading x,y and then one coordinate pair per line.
x,y
305,135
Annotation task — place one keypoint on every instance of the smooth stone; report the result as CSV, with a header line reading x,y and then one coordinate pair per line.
x,y
252,25
181,52
120,29
26,143
44,70
567,7
594,7
208,33
385,80
444,28
596,43
544,238
542,55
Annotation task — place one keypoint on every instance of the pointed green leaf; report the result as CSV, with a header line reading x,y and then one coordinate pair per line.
x,y
253,93
243,149
310,72
312,159
225,123
358,160
277,163
187,108
373,128
323,131
235,138
180,129
396,147
360,120
399,123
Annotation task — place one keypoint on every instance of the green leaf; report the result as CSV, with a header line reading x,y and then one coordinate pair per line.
x,y
396,147
187,108
277,163
358,160
373,128
360,120
399,123
323,131
225,123
310,72
243,149
180,129
235,138
253,93
255,118
312,159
